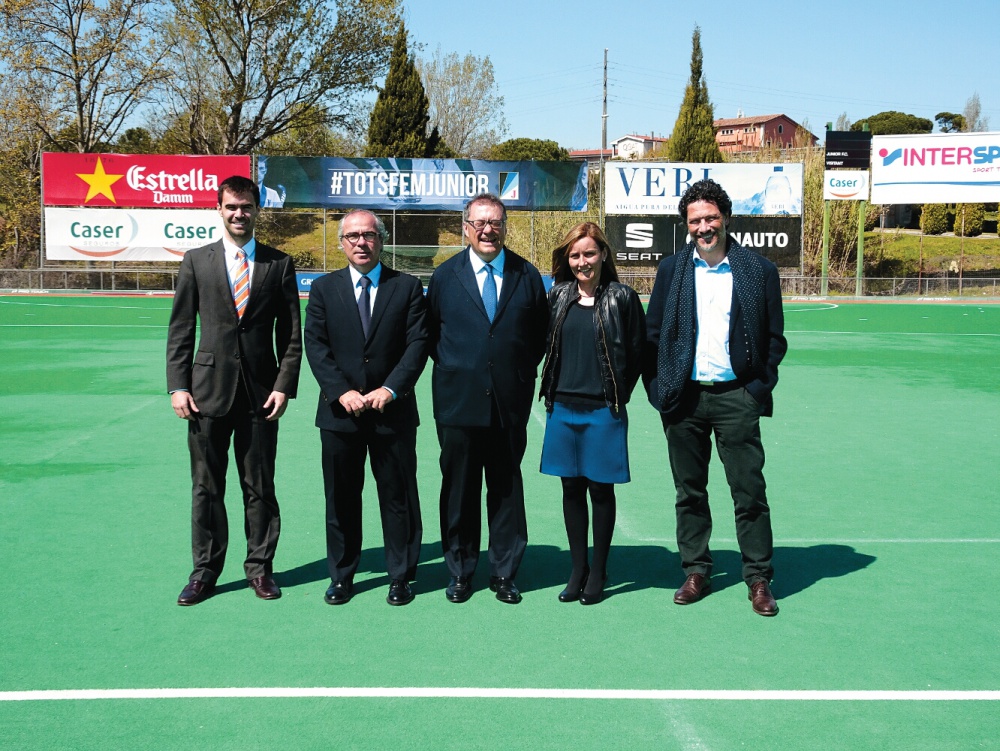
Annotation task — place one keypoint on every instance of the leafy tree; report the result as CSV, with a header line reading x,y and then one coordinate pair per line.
x,y
464,103
975,213
934,219
693,139
525,149
949,122
20,213
894,123
248,70
88,63
843,122
973,114
136,141
398,125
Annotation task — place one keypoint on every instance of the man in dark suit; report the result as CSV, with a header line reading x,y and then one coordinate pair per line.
x,y
488,318
366,340
715,331
235,384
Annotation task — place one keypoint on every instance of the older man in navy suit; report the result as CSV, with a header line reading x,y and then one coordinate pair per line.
x,y
488,317
366,340
234,385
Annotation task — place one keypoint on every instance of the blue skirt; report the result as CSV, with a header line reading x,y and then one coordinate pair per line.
x,y
584,441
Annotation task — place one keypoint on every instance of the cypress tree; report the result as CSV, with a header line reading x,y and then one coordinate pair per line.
x,y
934,219
975,213
398,125
693,139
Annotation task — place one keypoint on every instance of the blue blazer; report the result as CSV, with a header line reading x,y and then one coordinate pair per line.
x,y
477,363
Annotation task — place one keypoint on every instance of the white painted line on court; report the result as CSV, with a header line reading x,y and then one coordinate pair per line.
x,y
88,307
420,692
890,333
82,326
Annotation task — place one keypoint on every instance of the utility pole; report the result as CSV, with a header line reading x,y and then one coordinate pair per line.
x,y
604,138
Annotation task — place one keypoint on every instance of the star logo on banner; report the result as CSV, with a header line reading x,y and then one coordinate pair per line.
x,y
100,183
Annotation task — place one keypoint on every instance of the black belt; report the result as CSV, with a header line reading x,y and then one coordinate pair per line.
x,y
717,387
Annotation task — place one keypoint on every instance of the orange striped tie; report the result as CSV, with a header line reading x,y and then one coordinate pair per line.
x,y
241,288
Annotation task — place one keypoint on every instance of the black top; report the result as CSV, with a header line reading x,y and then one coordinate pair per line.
x,y
579,371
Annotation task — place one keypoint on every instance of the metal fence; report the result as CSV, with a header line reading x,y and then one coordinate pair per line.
x,y
159,281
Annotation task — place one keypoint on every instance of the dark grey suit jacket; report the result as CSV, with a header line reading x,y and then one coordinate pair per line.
x,y
266,345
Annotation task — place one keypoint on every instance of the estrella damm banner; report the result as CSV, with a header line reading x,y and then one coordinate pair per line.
x,y
137,180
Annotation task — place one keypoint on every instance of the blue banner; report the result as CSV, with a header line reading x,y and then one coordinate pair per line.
x,y
418,184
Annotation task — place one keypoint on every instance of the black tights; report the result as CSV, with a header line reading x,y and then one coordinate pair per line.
x,y
602,496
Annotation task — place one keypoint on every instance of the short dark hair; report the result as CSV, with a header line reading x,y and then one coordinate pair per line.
x,y
240,186
484,198
708,191
561,271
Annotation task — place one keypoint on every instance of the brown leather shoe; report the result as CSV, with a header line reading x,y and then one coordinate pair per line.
x,y
694,588
761,599
195,592
265,587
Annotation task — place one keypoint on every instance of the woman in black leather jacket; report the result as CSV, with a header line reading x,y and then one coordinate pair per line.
x,y
592,362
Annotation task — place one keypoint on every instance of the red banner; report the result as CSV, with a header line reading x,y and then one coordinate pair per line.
x,y
137,180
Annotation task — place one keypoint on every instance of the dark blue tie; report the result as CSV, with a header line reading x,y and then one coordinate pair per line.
x,y
365,304
490,293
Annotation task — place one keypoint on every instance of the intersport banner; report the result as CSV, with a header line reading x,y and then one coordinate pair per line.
x,y
419,184
657,187
137,180
128,234
936,168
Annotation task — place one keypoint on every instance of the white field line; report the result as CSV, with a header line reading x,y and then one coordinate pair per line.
x,y
420,692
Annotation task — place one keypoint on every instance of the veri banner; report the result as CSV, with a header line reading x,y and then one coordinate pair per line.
x,y
936,168
418,184
128,234
137,180
656,187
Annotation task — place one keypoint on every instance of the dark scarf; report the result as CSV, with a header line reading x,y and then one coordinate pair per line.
x,y
675,357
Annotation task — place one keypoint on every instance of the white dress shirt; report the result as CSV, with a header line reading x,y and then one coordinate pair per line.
x,y
478,266
713,294
233,259
374,276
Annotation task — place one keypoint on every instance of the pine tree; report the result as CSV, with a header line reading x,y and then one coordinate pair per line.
x,y
693,139
398,125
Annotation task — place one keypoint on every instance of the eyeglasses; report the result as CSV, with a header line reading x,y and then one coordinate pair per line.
x,y
480,224
354,237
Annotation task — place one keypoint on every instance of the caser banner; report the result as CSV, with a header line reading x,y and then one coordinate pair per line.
x,y
646,240
845,185
128,234
936,168
657,187
137,180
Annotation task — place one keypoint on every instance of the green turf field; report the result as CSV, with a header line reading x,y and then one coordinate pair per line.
x,y
884,484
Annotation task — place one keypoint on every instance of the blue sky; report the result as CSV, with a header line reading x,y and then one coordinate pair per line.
x,y
809,60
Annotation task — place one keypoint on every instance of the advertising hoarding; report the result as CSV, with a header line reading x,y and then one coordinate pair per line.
x,y
845,185
137,180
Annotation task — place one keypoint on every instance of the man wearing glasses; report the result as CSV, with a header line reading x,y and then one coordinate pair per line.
x,y
715,331
488,316
366,341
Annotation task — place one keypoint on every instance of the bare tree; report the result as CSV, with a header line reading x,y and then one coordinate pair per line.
x,y
90,63
973,114
465,105
248,70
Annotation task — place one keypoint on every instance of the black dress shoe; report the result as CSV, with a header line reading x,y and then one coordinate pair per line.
x,y
592,598
506,589
195,592
399,593
459,589
265,587
338,593
572,594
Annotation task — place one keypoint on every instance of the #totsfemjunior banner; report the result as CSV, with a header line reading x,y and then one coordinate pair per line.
x,y
936,168
128,234
418,184
138,180
657,187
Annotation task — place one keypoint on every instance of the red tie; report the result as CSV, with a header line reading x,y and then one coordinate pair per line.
x,y
241,288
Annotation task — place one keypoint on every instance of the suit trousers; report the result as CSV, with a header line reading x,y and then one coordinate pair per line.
x,y
255,446
394,466
734,418
467,454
